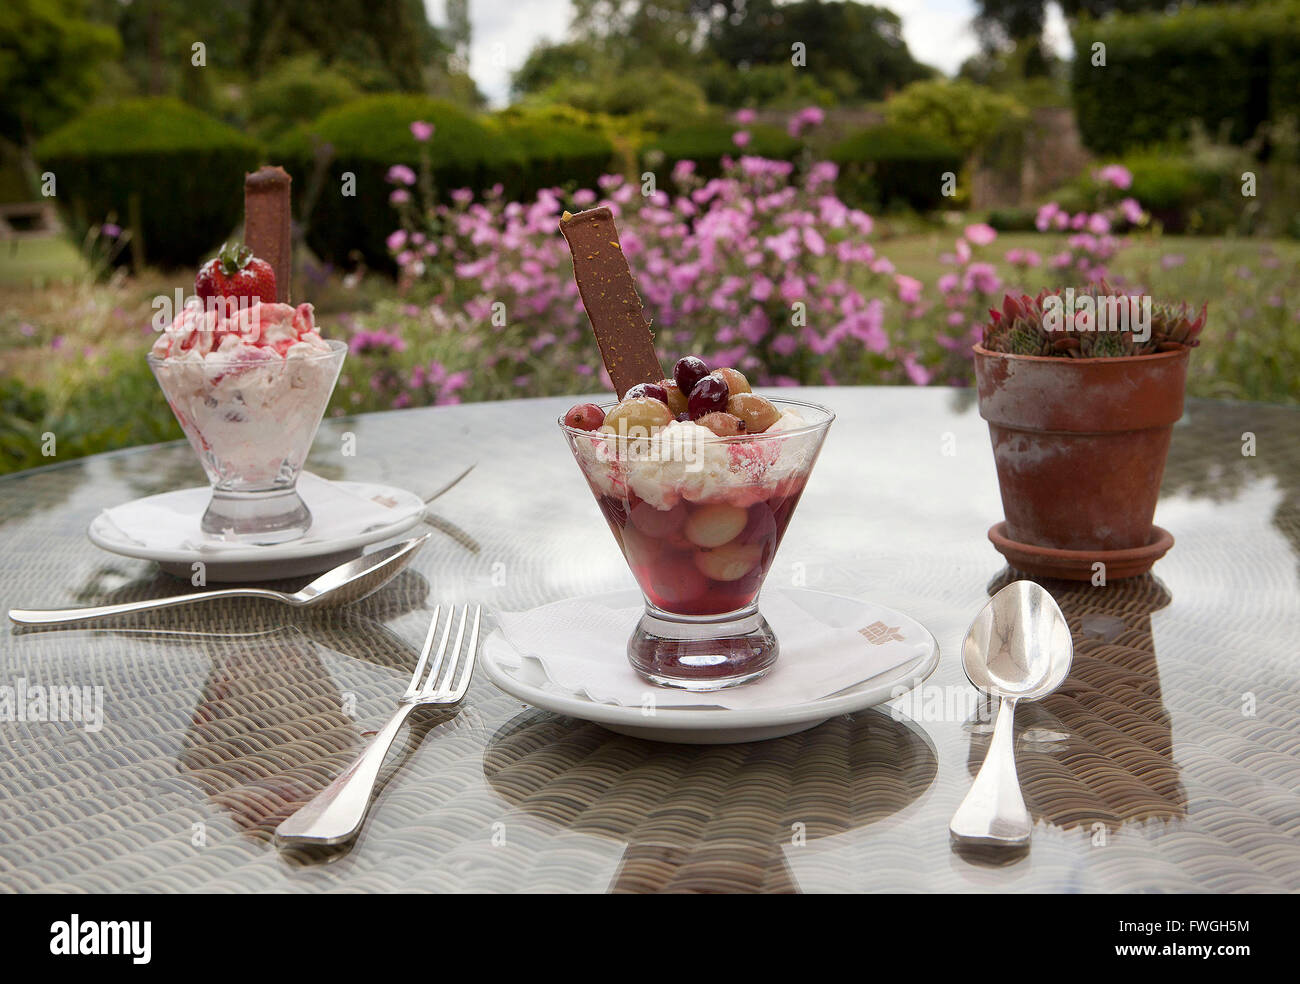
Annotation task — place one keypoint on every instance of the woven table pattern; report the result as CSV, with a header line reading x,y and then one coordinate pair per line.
x,y
1168,761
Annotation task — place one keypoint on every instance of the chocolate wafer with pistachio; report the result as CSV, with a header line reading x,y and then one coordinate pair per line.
x,y
609,294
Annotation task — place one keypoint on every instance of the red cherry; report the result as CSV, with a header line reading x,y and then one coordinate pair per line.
x,y
689,371
652,390
585,416
709,396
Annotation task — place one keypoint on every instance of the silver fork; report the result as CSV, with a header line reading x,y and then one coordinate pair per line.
x,y
337,811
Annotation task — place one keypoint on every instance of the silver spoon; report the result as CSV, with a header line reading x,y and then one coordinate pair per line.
x,y
1018,648
346,583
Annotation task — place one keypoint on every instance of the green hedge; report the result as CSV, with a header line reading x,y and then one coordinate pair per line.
x,y
888,167
707,143
183,169
1228,67
369,135
1184,194
556,152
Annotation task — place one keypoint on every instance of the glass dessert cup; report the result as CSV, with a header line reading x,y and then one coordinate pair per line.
x,y
699,522
251,418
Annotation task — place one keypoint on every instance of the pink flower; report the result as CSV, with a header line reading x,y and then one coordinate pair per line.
x,y
981,233
807,118
785,345
396,240
909,288
741,138
400,174
1023,257
745,116
983,278
916,372
421,130
1116,175
399,196
823,172
1131,210
1046,214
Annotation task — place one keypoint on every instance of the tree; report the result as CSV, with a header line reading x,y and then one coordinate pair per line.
x,y
852,49
958,112
459,32
50,56
839,38
550,62
1005,24
391,41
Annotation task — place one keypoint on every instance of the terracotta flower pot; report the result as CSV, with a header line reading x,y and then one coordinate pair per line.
x,y
1080,444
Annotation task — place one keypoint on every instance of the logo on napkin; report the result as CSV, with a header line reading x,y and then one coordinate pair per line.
x,y
878,633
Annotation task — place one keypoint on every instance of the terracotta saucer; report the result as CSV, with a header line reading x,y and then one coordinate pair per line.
x,y
1076,565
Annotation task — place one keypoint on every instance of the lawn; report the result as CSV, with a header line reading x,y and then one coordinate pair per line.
x,y
1250,349
36,262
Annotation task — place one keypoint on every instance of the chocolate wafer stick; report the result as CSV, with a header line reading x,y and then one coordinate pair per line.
x,y
609,294
266,224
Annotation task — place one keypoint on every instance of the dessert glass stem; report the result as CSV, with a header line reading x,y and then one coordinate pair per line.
x,y
702,652
270,516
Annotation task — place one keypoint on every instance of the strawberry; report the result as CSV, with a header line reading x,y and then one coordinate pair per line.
x,y
236,272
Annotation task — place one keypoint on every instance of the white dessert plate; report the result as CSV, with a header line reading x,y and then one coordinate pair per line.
x,y
523,677
318,550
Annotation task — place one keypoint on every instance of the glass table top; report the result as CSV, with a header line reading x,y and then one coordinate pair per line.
x,y
1168,761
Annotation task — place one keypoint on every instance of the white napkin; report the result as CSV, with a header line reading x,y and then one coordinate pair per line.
x,y
172,522
582,647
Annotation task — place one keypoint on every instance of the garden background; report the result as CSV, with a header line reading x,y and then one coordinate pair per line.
x,y
798,195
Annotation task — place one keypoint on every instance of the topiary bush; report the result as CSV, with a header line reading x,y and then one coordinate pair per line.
x,y
1230,68
179,169
891,167
1187,189
559,148
957,112
296,91
708,142
1012,219
367,136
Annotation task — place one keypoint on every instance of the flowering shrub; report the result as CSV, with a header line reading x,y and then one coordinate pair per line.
x,y
763,268
1092,242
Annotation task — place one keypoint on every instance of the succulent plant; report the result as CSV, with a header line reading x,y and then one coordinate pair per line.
x,y
1038,326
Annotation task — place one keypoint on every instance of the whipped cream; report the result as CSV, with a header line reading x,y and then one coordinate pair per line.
x,y
249,390
279,328
687,461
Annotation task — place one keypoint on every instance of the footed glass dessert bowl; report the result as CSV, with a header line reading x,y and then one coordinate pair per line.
x,y
251,412
699,518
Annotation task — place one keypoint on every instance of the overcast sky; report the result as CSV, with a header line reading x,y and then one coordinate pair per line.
x,y
938,32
